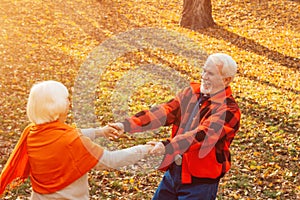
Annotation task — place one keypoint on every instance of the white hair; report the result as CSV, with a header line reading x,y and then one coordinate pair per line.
x,y
47,100
226,62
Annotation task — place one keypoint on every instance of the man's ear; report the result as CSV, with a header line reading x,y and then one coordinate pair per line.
x,y
227,80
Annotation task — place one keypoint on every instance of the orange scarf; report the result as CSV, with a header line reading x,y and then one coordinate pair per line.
x,y
53,154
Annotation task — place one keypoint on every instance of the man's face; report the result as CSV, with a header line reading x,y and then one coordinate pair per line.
x,y
212,80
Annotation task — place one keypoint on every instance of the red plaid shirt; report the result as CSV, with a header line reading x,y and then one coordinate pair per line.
x,y
205,143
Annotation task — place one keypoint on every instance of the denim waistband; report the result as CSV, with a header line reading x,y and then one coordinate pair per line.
x,y
177,169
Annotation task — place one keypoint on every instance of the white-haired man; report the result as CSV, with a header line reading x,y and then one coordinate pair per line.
x,y
204,119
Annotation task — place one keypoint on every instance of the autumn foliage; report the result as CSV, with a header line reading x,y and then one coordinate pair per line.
x,y
42,40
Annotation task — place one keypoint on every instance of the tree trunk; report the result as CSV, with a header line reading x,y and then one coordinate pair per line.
x,y
197,14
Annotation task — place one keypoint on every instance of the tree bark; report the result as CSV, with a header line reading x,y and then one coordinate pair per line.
x,y
197,14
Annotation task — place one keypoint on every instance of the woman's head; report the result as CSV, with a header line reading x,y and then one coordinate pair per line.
x,y
47,102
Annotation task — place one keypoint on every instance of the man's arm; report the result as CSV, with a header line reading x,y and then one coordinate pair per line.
x,y
161,115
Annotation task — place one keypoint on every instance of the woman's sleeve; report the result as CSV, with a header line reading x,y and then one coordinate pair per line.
x,y
124,157
88,132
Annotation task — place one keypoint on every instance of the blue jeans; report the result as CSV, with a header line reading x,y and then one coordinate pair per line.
x,y
171,188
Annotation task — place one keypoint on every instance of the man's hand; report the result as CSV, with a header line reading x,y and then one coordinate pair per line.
x,y
158,149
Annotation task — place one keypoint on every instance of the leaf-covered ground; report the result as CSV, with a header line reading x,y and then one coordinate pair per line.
x,y
41,40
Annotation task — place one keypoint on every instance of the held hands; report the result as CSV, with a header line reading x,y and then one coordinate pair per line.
x,y
116,130
111,131
118,127
108,132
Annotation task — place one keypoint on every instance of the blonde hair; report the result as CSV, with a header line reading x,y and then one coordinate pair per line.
x,y
47,100
226,62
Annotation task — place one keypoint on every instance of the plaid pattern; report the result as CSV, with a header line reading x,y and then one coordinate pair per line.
x,y
214,125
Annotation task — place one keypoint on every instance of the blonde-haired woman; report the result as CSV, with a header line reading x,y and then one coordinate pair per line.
x,y
57,156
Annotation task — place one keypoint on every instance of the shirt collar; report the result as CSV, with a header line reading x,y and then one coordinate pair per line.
x,y
218,97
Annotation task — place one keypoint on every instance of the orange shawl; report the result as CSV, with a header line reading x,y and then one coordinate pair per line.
x,y
53,154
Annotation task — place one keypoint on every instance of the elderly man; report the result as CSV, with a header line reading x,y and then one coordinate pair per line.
x,y
204,119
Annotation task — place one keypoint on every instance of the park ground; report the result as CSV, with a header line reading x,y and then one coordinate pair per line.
x,y
52,39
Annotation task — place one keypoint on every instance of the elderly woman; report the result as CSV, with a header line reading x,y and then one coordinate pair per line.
x,y
57,156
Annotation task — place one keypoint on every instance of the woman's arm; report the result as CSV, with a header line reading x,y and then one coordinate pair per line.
x,y
124,157
89,132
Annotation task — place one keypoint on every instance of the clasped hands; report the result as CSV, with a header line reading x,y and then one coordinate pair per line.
x,y
116,130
